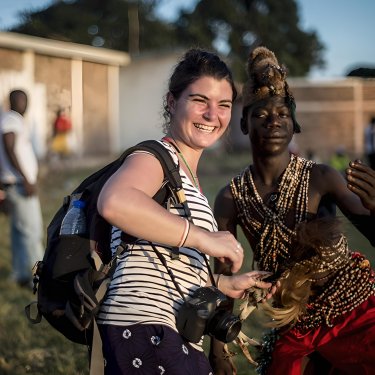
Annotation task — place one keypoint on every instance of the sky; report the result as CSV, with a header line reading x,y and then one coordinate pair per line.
x,y
345,27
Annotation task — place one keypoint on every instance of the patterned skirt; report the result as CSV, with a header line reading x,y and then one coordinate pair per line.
x,y
148,350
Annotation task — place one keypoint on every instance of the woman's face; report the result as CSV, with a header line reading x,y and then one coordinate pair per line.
x,y
270,125
201,115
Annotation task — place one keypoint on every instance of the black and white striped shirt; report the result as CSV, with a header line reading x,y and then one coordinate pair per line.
x,y
141,290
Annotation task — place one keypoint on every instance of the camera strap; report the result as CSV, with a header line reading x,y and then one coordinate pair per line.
x,y
164,262
170,273
189,217
175,251
213,282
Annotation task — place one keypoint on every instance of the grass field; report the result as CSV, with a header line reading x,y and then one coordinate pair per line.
x,y
28,349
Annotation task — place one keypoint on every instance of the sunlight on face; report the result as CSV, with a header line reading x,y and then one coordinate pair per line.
x,y
270,125
202,113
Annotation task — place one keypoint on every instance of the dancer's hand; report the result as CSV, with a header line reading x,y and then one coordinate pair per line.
x,y
361,181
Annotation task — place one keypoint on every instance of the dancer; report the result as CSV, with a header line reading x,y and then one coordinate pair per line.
x,y
279,190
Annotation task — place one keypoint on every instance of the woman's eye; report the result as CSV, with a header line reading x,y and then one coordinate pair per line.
x,y
198,100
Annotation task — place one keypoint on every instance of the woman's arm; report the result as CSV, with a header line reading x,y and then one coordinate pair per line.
x,y
126,202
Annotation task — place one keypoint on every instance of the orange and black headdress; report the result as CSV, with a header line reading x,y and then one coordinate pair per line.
x,y
267,78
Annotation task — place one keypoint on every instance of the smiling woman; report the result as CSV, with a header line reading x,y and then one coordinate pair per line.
x,y
199,120
151,283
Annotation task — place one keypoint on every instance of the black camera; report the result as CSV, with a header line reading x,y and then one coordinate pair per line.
x,y
207,313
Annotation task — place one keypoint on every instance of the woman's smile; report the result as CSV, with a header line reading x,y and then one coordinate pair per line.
x,y
204,128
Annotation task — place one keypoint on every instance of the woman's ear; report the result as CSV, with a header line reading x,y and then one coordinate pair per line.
x,y
171,102
244,128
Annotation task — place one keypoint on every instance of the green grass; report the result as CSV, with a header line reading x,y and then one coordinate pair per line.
x,y
39,349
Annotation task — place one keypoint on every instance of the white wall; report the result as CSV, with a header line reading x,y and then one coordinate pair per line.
x,y
143,85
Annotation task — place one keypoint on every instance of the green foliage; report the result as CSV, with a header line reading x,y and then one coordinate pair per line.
x,y
232,27
243,25
98,23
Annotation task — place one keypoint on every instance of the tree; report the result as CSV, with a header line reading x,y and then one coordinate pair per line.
x,y
237,26
362,72
100,23
232,27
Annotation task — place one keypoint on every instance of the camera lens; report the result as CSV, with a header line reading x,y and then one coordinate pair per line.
x,y
224,326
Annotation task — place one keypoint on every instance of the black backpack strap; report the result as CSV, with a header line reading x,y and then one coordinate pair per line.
x,y
171,170
171,174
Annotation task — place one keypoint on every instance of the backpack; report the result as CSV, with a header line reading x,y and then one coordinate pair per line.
x,y
72,278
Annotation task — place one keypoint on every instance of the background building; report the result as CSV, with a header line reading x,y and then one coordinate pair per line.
x,y
115,102
83,80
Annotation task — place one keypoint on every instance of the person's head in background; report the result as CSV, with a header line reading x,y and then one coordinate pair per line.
x,y
18,101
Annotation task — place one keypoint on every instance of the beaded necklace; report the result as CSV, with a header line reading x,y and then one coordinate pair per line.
x,y
350,286
329,260
195,178
267,224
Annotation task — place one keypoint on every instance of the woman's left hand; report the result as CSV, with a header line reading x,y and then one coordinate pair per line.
x,y
361,181
236,286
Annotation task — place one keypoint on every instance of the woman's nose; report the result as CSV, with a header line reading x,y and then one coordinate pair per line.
x,y
210,113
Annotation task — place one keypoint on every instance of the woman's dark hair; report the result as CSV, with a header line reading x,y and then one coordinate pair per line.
x,y
196,63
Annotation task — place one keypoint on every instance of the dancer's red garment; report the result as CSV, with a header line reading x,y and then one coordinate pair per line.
x,y
349,345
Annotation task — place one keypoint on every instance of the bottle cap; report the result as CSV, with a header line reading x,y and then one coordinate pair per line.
x,y
79,204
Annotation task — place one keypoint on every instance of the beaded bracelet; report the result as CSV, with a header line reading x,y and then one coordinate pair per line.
x,y
184,234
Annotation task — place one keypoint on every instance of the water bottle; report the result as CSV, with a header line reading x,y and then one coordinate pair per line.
x,y
74,221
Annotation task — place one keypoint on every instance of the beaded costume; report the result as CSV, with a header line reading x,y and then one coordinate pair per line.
x,y
352,284
333,317
267,224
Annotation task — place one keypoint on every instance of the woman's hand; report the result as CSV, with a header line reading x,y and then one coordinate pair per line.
x,y
361,181
222,245
237,285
